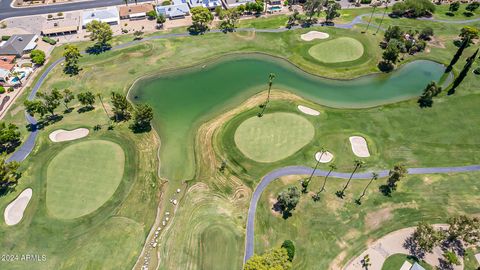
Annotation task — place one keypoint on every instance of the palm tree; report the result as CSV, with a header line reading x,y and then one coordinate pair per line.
x,y
103,105
383,16
306,182
332,167
271,77
16,75
371,16
374,177
358,164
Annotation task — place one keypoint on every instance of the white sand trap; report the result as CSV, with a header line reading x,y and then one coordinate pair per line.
x,y
326,157
14,212
307,110
359,146
314,35
62,135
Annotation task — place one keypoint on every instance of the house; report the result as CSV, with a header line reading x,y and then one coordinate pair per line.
x,y
236,3
135,12
177,10
18,45
108,15
65,26
210,4
4,75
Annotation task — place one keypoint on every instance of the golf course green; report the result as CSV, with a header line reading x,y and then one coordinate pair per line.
x,y
273,137
82,177
342,49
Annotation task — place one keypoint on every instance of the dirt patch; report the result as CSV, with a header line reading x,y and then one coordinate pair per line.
x,y
373,220
291,179
437,43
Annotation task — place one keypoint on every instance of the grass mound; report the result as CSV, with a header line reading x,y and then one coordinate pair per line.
x,y
273,137
343,49
82,177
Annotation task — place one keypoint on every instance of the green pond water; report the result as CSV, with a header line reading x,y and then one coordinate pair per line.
x,y
183,99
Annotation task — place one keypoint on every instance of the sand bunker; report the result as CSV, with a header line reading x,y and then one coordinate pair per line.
x,y
314,35
307,110
62,135
326,157
359,146
14,212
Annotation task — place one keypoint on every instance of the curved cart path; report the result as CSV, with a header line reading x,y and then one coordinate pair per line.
x,y
301,170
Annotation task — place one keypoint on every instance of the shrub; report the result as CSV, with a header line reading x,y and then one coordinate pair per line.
x,y
290,247
38,57
2,89
5,38
385,66
50,41
166,3
477,71
151,14
10,89
426,33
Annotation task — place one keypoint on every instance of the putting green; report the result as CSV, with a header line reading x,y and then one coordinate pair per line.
x,y
273,137
82,177
343,49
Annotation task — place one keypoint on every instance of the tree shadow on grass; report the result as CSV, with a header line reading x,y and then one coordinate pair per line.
x,y
278,207
85,109
44,122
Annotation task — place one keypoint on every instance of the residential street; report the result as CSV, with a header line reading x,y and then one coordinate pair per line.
x,y
6,11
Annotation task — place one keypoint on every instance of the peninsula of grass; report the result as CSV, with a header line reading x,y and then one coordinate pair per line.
x,y
82,177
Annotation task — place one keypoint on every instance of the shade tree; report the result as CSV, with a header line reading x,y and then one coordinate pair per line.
x,y
9,137
142,117
72,56
9,174
431,91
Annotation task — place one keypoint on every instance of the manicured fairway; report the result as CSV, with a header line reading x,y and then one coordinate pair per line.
x,y
82,177
274,136
395,262
338,50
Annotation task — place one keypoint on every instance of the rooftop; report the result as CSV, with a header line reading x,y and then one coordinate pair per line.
x,y
17,44
68,24
108,15
126,11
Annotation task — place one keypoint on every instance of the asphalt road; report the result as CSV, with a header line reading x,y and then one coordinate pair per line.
x,y
6,11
